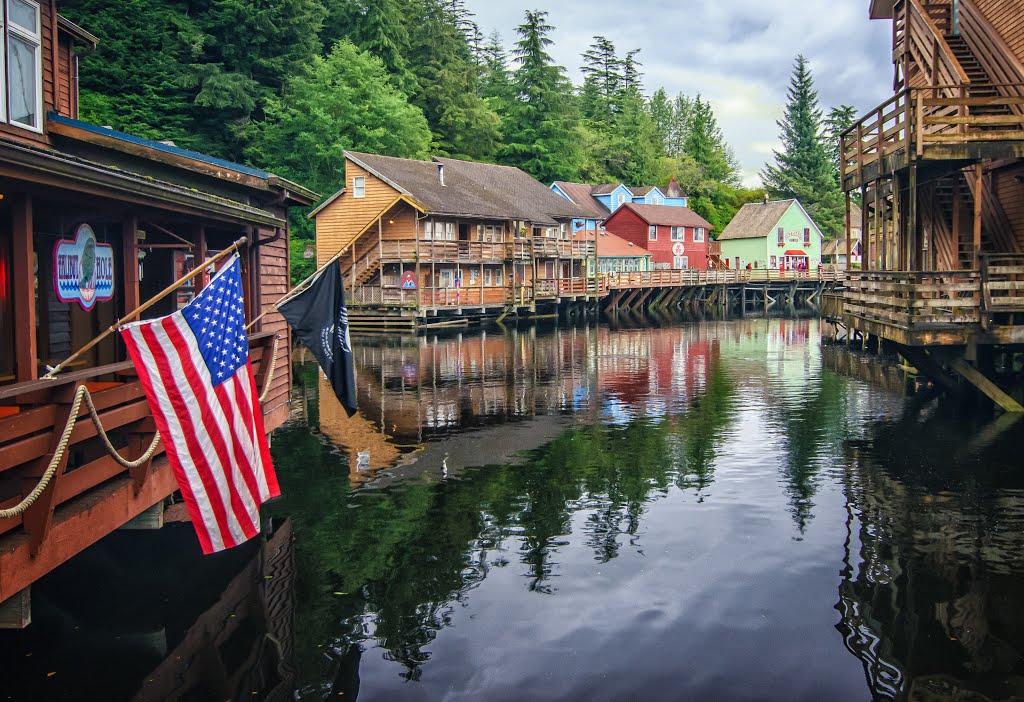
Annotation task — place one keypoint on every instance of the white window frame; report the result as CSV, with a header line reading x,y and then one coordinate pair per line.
x,y
497,277
359,187
9,27
652,232
681,263
428,230
698,235
678,233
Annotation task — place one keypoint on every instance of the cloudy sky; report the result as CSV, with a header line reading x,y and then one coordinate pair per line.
x,y
738,53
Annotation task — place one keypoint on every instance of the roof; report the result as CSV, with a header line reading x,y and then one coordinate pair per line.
x,y
470,189
667,215
641,191
755,220
604,188
611,246
580,194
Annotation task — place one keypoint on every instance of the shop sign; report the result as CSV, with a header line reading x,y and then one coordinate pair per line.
x,y
794,238
83,270
678,249
408,281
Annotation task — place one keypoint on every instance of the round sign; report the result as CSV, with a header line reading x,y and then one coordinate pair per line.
x,y
678,249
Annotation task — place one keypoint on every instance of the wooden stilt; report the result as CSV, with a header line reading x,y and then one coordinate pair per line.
x,y
16,610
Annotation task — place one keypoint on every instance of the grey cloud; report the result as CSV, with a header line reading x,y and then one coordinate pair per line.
x,y
738,53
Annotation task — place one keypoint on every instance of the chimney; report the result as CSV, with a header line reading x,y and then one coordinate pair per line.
x,y
440,173
766,198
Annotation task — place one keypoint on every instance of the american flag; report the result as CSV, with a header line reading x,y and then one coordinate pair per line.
x,y
195,370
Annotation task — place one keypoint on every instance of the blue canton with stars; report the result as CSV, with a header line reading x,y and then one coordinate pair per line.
x,y
217,318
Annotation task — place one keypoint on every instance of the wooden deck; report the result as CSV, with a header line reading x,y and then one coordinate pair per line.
x,y
91,495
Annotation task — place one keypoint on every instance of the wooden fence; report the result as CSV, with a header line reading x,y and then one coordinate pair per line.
x,y
906,300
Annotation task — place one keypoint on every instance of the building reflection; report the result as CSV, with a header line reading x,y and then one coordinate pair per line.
x,y
932,570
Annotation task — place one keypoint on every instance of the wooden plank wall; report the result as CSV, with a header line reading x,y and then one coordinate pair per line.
x,y
404,227
64,104
1008,186
339,223
1007,18
274,283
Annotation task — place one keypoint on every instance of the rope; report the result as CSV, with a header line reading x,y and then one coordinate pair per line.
x,y
81,395
270,374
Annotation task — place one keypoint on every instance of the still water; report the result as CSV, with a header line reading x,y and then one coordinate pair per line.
x,y
703,511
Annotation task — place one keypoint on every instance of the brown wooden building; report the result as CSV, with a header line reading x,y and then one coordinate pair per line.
x,y
449,238
142,213
940,170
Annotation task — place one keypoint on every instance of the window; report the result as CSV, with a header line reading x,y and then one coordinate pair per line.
x,y
487,277
446,277
497,277
680,262
474,277
24,99
652,232
563,232
807,236
449,230
621,199
678,233
698,235
359,186
782,236
774,261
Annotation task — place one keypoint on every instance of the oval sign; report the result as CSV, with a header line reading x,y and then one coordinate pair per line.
x,y
678,249
83,270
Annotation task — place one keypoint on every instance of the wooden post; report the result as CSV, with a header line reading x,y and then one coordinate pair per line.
x,y
865,235
199,253
16,610
979,184
380,255
956,220
130,257
26,362
849,232
876,235
912,220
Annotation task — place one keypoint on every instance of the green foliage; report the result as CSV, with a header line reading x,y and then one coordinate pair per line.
x,y
803,169
345,101
839,119
301,266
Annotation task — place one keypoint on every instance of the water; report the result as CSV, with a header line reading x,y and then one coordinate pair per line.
x,y
717,510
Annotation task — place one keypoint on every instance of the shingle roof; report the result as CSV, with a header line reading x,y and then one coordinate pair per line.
x,y
611,246
604,188
668,215
755,220
580,193
673,189
471,189
641,191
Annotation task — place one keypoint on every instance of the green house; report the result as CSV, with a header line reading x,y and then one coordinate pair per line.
x,y
771,234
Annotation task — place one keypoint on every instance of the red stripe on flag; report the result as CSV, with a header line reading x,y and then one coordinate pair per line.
x,y
245,410
268,466
220,442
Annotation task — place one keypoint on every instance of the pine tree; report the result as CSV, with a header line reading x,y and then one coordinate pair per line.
x,y
632,78
635,141
660,107
377,26
838,121
803,169
602,71
706,144
542,118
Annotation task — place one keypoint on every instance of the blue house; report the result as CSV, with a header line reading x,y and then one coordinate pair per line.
x,y
599,201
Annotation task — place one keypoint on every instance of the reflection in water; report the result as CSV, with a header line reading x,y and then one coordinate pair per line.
x,y
722,510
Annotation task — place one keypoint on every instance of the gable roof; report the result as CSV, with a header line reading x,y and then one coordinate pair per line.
x,y
755,220
470,189
673,189
606,188
666,215
612,246
643,190
581,195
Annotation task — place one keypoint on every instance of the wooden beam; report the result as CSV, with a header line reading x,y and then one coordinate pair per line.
x,y
199,253
26,355
990,389
979,184
912,220
130,258
956,217
849,233
16,611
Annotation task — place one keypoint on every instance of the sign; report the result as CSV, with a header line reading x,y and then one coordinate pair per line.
x,y
408,281
794,238
83,271
678,249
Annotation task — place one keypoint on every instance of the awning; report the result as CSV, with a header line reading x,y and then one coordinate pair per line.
x,y
795,252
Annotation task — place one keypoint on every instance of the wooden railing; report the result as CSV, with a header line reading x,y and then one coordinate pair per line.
x,y
919,42
544,247
681,278
908,300
915,118
475,296
36,412
1002,282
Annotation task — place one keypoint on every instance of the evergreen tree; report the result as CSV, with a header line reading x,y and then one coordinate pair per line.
x,y
632,78
377,26
602,73
706,145
542,118
679,127
634,140
803,169
839,119
449,83
660,107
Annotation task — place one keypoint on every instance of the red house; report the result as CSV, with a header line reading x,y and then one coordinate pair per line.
x,y
676,236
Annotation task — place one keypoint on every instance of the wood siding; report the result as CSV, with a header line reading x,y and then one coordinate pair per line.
x,y
273,266
1007,18
1006,185
338,224
65,78
632,227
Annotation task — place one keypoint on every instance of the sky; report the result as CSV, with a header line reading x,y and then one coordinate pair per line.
x,y
737,53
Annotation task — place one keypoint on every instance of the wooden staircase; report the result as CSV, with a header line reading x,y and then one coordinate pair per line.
x,y
981,82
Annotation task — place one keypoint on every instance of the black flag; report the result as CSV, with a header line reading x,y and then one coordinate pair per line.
x,y
320,321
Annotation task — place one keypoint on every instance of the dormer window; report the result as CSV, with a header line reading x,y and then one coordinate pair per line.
x,y
22,65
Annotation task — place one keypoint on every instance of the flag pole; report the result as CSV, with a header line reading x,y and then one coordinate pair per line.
x,y
52,372
298,288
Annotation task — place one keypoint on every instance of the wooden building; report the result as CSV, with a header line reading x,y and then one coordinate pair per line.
x,y
940,170
677,237
94,222
445,239
778,235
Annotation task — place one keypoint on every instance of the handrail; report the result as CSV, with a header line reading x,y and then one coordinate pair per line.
x,y
939,46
